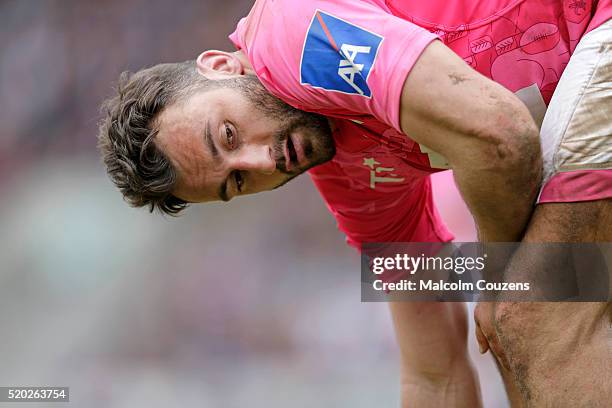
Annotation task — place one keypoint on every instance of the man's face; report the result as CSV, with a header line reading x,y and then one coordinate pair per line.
x,y
237,139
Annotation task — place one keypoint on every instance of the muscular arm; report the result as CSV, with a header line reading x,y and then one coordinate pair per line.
x,y
492,144
484,131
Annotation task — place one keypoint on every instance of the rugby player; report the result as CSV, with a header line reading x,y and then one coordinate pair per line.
x,y
405,89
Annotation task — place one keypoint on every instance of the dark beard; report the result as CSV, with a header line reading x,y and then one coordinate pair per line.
x,y
318,148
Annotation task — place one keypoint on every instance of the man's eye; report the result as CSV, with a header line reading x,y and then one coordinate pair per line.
x,y
231,139
239,180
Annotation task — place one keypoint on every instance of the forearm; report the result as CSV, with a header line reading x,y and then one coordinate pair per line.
x,y
435,366
499,183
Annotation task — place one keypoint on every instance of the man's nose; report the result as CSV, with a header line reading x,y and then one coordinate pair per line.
x,y
257,159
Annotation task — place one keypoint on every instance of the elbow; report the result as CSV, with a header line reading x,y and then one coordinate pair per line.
x,y
519,152
505,145
514,143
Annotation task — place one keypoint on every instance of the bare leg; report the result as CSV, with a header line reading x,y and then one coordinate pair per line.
x,y
555,354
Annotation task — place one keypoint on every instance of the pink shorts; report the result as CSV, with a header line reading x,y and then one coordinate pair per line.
x,y
576,131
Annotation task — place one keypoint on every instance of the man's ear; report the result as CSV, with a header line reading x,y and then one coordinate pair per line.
x,y
215,64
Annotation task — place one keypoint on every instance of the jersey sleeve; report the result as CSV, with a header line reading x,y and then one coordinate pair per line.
x,y
345,58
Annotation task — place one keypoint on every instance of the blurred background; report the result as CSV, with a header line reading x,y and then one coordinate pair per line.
x,y
253,303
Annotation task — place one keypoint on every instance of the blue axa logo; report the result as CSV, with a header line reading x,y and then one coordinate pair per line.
x,y
338,56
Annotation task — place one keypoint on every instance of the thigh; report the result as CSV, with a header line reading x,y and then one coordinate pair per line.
x,y
589,221
559,353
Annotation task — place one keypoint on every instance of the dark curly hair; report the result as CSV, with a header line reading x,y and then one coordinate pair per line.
x,y
143,174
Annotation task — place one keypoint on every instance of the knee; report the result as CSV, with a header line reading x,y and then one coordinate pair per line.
x,y
506,318
514,322
500,327
486,332
518,329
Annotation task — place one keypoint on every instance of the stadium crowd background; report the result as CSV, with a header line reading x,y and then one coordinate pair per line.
x,y
252,303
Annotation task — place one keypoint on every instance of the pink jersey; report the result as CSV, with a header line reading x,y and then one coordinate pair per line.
x,y
348,59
